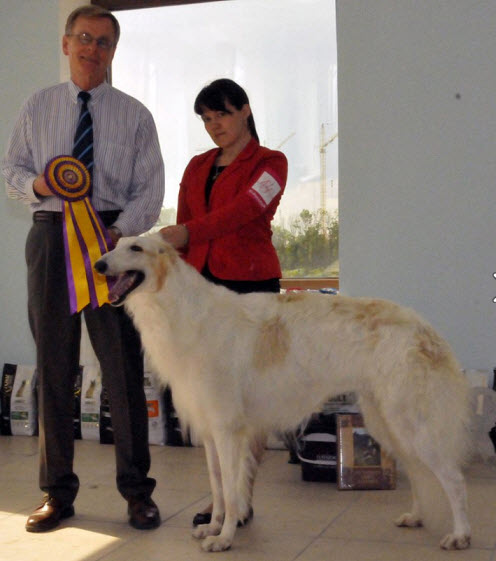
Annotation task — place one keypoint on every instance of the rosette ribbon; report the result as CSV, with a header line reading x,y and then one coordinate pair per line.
x,y
85,237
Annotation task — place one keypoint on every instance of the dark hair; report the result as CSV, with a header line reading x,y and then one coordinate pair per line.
x,y
215,95
92,11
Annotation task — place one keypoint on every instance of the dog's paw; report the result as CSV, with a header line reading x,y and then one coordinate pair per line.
x,y
409,520
246,517
204,530
216,543
452,541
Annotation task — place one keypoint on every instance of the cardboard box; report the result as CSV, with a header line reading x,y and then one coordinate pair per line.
x,y
361,464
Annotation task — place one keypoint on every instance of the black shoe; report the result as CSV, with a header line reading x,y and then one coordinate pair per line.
x,y
48,515
206,517
143,513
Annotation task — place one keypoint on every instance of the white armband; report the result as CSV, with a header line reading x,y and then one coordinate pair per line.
x,y
266,189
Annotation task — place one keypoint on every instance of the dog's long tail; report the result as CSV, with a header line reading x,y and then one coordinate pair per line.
x,y
430,439
438,455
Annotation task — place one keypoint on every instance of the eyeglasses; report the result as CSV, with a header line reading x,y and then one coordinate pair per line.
x,y
87,39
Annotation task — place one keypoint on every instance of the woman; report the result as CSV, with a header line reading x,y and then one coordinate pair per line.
x,y
227,200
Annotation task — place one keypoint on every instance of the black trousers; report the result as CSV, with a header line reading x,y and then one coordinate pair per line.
x,y
117,346
244,287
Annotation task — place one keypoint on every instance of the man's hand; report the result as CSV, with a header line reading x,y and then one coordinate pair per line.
x,y
115,234
40,186
177,236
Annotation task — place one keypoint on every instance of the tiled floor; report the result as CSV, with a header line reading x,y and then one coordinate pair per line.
x,y
294,520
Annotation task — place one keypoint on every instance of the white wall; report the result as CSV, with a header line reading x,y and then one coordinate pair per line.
x,y
417,164
417,125
29,47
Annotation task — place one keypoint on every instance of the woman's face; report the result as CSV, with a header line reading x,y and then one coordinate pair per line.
x,y
227,128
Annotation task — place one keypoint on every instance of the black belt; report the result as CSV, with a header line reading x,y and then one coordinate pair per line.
x,y
52,217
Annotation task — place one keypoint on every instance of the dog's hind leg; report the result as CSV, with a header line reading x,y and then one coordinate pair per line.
x,y
228,444
423,461
453,484
214,474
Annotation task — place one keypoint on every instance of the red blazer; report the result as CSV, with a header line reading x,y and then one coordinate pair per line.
x,y
233,234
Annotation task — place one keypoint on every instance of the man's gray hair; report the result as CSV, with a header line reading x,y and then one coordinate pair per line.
x,y
92,11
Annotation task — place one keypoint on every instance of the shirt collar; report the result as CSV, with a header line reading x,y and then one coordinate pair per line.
x,y
96,93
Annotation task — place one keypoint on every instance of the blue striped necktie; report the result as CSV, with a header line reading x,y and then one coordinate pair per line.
x,y
83,139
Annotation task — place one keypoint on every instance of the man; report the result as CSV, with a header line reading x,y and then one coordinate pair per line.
x,y
127,191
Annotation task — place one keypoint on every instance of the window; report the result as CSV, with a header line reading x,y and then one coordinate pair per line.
x,y
283,52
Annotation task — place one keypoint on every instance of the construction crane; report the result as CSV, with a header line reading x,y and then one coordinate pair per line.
x,y
281,144
323,171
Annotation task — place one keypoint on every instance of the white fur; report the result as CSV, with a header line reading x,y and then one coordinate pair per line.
x,y
243,365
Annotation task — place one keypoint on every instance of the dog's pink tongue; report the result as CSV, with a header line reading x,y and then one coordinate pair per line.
x,y
121,284
112,296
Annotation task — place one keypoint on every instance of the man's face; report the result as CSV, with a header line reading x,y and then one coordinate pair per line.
x,y
89,63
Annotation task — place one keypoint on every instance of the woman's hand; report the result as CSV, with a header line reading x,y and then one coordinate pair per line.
x,y
177,236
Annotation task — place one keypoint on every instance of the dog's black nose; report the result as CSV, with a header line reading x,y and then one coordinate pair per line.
x,y
100,266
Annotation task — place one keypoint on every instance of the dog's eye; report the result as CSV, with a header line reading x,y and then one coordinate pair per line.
x,y
136,248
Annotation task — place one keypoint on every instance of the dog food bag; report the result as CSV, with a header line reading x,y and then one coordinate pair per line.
x,y
91,389
480,378
77,403
176,436
19,406
8,377
106,430
156,414
483,423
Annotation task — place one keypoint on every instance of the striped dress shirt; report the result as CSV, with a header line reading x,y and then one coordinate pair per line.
x,y
128,171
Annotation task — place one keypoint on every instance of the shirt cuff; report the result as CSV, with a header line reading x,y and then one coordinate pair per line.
x,y
31,195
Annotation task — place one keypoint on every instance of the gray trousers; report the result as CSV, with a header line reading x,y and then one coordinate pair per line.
x,y
117,346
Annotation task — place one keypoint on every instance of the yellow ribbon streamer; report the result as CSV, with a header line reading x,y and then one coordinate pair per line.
x,y
85,237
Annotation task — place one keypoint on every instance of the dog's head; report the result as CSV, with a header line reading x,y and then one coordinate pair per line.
x,y
139,263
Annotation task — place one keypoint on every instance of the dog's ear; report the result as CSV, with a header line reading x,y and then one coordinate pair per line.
x,y
164,248
162,244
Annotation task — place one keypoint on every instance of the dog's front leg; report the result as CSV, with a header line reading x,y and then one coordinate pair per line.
x,y
214,474
228,446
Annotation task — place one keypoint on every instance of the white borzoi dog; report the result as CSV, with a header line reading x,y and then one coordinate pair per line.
x,y
243,365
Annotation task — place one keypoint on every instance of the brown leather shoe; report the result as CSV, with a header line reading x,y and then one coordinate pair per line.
x,y
48,515
143,513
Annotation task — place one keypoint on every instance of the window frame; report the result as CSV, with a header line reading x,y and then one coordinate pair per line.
x,y
298,283
116,5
